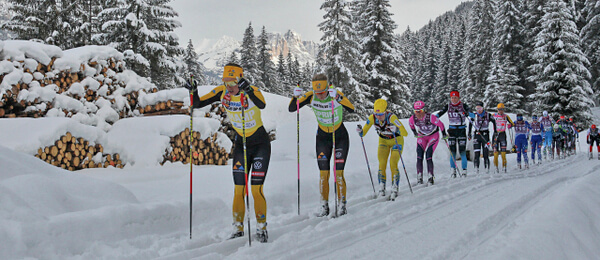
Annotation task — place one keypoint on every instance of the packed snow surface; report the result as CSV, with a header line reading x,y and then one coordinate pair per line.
x,y
551,211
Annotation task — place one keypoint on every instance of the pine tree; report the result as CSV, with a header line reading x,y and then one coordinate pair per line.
x,y
282,73
590,36
504,81
249,53
143,30
477,53
382,58
233,58
192,65
268,77
560,70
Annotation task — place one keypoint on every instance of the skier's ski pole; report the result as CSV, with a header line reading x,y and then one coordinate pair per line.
x,y
298,143
334,151
452,156
405,173
191,146
242,96
368,166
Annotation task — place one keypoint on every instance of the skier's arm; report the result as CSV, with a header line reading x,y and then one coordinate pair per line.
x,y
470,128
411,124
211,97
399,125
343,100
368,125
510,122
493,121
436,121
257,97
443,111
304,100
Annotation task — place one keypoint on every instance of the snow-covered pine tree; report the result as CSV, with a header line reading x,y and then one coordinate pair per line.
x,y
560,71
268,76
532,16
282,73
233,58
192,65
30,22
504,81
292,71
341,55
590,36
386,70
249,53
503,86
143,30
477,53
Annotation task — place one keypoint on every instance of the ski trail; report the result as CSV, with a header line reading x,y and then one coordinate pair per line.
x,y
452,206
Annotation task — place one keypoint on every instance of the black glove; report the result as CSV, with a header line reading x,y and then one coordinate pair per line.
x,y
469,136
244,85
191,85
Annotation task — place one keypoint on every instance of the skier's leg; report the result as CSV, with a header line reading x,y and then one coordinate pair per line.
x,y
383,153
260,166
342,144
462,147
324,146
477,150
394,159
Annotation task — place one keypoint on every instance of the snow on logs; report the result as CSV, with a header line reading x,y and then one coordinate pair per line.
x,y
72,153
204,151
38,80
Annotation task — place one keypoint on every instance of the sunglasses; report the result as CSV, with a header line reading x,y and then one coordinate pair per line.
x,y
500,109
419,111
230,83
379,114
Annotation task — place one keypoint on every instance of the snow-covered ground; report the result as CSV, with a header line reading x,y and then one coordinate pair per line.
x,y
550,211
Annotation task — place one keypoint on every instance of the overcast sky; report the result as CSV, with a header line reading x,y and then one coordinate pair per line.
x,y
211,19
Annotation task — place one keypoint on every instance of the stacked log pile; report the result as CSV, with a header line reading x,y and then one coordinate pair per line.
x,y
204,151
72,153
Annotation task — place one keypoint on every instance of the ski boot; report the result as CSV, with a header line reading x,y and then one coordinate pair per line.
x,y
394,192
238,230
342,209
430,181
526,166
464,173
324,209
477,170
261,233
591,156
533,161
504,168
519,166
497,169
420,180
381,192
453,175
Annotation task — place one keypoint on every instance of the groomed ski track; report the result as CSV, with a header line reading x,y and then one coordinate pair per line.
x,y
461,218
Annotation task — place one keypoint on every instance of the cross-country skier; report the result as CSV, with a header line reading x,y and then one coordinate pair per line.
x,y
258,144
521,136
457,130
391,136
566,126
574,135
558,140
320,99
481,139
425,127
537,128
503,124
548,124
592,137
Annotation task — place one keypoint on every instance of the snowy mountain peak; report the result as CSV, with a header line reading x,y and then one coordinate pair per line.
x,y
214,53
